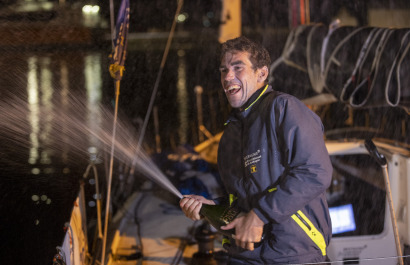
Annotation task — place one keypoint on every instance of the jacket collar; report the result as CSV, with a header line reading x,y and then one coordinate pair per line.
x,y
243,111
254,98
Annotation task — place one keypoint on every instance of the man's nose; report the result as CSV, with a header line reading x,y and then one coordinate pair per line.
x,y
229,75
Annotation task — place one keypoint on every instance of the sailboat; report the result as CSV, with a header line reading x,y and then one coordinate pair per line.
x,y
149,227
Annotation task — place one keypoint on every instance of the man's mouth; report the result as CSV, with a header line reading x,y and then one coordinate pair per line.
x,y
232,89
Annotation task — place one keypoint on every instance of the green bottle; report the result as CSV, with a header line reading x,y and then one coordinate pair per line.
x,y
219,215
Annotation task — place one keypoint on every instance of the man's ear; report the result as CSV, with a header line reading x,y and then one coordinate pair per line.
x,y
263,74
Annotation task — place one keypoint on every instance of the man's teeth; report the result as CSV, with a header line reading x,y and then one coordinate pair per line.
x,y
233,87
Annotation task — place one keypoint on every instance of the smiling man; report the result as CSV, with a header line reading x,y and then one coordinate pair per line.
x,y
274,165
240,78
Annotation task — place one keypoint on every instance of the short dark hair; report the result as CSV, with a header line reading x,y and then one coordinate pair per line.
x,y
259,56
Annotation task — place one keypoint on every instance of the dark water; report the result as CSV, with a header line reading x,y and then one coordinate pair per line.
x,y
42,159
47,101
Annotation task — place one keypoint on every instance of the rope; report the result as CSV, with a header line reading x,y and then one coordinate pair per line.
x,y
117,93
107,208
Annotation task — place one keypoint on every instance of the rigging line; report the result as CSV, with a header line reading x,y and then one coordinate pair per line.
x,y
117,94
107,208
154,92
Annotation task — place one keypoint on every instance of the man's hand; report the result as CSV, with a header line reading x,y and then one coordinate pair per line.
x,y
191,205
248,230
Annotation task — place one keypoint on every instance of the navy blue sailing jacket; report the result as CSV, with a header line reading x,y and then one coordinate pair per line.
x,y
272,158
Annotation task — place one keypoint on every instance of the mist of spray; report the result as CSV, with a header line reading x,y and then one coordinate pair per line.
x,y
69,127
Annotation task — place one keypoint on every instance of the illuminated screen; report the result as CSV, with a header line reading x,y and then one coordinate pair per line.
x,y
342,219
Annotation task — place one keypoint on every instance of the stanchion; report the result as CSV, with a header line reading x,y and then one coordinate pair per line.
x,y
381,160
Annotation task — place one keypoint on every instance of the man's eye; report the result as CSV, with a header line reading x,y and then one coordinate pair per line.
x,y
238,68
222,70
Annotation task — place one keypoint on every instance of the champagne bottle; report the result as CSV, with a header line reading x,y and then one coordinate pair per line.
x,y
220,215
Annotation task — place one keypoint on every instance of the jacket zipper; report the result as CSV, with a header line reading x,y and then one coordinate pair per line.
x,y
303,221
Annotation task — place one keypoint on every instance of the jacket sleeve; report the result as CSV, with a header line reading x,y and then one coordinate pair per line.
x,y
304,157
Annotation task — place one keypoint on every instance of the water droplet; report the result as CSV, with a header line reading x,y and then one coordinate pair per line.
x,y
43,197
35,197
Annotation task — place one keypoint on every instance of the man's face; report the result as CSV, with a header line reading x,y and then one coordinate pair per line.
x,y
239,79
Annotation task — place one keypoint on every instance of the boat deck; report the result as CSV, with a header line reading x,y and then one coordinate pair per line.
x,y
154,225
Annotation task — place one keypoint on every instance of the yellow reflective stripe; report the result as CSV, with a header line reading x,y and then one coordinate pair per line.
x,y
225,241
266,87
272,189
232,198
313,233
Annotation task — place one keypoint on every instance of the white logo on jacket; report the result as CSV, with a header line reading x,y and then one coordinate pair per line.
x,y
252,158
